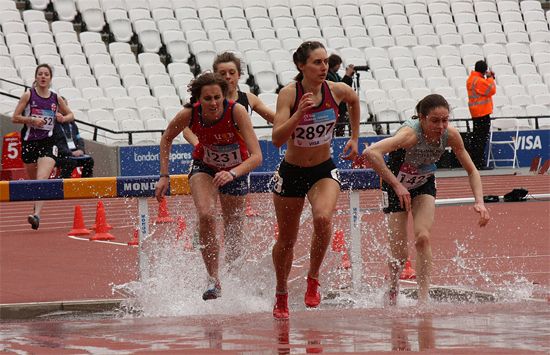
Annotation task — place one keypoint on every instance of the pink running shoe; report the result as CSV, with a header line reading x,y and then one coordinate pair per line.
x,y
280,310
312,297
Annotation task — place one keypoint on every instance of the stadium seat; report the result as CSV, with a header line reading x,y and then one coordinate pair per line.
x,y
92,92
101,103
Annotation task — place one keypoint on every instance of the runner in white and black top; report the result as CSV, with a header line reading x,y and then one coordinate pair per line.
x,y
409,184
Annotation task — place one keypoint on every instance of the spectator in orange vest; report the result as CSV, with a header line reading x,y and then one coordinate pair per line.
x,y
481,87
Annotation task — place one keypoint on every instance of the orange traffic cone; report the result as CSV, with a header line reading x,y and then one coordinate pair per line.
x,y
249,211
408,272
101,207
163,215
544,168
78,224
101,226
338,241
535,163
135,238
346,262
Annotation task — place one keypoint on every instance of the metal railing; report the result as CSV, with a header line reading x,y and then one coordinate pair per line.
x,y
376,125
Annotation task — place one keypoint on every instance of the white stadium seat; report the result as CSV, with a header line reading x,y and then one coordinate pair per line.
x,y
413,47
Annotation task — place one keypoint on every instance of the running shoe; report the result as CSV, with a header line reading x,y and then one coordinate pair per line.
x,y
34,220
213,290
312,297
280,310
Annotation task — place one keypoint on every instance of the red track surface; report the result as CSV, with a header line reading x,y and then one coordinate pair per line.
x,y
46,265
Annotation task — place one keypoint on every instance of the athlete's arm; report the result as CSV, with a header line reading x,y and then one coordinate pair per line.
x,y
178,123
404,138
284,124
190,137
457,145
260,107
18,112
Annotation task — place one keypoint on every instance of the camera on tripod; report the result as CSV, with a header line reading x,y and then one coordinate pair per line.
x,y
361,68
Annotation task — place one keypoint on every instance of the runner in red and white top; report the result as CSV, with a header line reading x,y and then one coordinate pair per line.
x,y
226,151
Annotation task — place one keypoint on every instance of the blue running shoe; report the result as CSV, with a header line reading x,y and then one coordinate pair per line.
x,y
213,290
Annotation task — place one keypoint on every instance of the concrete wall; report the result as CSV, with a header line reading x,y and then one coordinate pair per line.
x,y
7,127
105,158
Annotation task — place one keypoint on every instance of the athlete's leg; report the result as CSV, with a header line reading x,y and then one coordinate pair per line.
x,y
322,197
44,167
288,211
204,196
397,236
423,209
233,210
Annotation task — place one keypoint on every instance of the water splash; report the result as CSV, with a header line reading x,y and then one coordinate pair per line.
x,y
178,278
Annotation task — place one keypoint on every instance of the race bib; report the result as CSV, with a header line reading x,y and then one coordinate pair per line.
x,y
315,129
411,181
222,156
47,115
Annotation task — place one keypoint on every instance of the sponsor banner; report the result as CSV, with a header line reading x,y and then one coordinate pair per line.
x,y
529,145
136,186
272,155
144,160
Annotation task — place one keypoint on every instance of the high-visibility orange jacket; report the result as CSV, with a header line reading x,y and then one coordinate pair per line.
x,y
480,92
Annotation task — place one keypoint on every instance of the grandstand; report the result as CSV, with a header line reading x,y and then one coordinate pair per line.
x,y
124,65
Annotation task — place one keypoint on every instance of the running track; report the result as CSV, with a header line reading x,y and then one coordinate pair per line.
x,y
45,265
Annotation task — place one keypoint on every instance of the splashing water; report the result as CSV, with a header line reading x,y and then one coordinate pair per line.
x,y
518,289
177,279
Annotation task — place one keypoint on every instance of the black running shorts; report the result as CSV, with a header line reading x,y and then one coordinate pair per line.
x,y
295,181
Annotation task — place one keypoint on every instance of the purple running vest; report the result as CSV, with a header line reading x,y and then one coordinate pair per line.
x,y
44,108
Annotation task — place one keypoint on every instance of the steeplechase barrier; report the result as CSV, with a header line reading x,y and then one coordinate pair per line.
x,y
143,187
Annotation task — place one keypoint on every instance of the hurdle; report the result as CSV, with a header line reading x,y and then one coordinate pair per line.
x,y
143,187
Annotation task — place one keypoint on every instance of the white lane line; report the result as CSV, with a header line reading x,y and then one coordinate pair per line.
x,y
100,241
